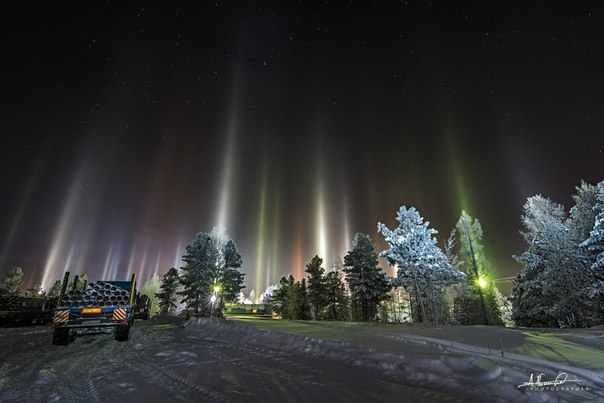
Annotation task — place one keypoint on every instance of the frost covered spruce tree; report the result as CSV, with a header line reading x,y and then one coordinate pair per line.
x,y
553,287
595,245
211,276
595,242
422,268
582,215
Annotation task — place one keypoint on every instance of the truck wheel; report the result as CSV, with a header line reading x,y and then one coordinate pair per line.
x,y
122,332
61,337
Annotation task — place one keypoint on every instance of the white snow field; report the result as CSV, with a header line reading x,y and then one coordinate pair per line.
x,y
170,360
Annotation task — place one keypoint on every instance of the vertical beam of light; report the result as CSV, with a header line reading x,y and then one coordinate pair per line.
x,y
462,192
347,241
226,186
455,168
321,228
60,237
77,220
143,263
178,255
157,265
260,245
321,235
108,267
131,262
521,166
8,239
372,192
107,263
269,269
111,268
270,273
298,262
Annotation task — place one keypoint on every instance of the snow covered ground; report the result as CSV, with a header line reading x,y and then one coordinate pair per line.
x,y
269,361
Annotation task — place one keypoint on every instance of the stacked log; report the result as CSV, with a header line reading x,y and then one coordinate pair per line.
x,y
100,293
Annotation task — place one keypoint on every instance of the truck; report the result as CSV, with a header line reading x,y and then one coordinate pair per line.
x,y
143,307
18,310
101,305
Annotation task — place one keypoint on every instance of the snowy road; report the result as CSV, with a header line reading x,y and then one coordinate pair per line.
x,y
223,362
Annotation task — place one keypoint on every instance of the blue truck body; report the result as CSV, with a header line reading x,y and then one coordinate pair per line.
x,y
105,304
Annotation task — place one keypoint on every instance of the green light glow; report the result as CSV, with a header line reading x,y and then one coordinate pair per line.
x,y
456,171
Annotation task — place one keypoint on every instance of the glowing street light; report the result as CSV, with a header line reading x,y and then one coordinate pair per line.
x,y
481,282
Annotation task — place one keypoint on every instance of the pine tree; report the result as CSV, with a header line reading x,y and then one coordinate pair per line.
x,y
300,307
35,291
210,276
199,273
232,278
368,284
552,287
12,281
529,306
594,246
290,299
338,307
279,300
595,241
582,215
476,302
317,287
423,269
167,295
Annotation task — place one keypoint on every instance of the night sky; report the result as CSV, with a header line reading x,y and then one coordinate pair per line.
x,y
126,129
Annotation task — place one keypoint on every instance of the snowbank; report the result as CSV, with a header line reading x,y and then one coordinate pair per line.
x,y
473,371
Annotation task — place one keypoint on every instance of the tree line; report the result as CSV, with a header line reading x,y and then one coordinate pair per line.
x,y
561,282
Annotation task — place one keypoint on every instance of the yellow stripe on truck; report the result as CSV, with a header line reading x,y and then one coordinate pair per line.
x,y
60,318
119,314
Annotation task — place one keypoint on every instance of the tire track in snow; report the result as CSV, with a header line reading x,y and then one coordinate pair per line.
x,y
293,375
174,382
